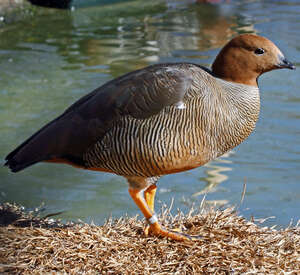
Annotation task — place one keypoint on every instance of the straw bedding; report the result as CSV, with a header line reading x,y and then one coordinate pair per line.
x,y
229,244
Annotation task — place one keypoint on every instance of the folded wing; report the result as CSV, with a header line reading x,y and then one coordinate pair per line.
x,y
140,94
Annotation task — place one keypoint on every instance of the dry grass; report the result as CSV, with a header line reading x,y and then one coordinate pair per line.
x,y
229,245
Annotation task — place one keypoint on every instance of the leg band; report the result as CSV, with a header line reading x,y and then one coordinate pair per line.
x,y
153,219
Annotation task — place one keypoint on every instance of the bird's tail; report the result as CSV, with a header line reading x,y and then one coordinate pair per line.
x,y
59,139
48,143
31,151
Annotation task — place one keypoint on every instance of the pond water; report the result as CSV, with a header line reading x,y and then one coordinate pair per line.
x,y
57,56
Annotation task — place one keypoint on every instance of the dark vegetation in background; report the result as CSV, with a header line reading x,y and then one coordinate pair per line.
x,y
60,4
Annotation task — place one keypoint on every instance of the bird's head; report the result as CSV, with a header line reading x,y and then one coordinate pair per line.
x,y
246,57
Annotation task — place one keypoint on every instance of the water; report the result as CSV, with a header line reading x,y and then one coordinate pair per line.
x,y
52,59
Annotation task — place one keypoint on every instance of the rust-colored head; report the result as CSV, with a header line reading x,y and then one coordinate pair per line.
x,y
246,57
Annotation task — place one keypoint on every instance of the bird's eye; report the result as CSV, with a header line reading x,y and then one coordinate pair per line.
x,y
259,51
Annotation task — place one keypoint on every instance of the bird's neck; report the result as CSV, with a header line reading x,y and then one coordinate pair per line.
x,y
235,112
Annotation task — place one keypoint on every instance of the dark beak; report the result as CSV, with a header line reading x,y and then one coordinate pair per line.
x,y
284,63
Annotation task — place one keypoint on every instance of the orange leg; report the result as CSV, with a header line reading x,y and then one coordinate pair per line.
x,y
149,195
146,205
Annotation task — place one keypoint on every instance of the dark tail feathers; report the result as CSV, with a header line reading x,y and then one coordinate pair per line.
x,y
31,151
15,166
59,139
39,147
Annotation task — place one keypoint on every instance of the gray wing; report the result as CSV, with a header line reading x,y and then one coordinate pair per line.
x,y
140,94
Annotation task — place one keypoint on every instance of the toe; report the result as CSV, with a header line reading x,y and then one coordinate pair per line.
x,y
157,230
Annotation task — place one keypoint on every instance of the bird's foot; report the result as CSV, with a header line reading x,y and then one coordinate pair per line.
x,y
157,230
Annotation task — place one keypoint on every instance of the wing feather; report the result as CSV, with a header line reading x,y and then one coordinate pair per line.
x,y
140,94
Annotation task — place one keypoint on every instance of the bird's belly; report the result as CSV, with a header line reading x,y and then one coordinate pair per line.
x,y
184,163
147,155
149,164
